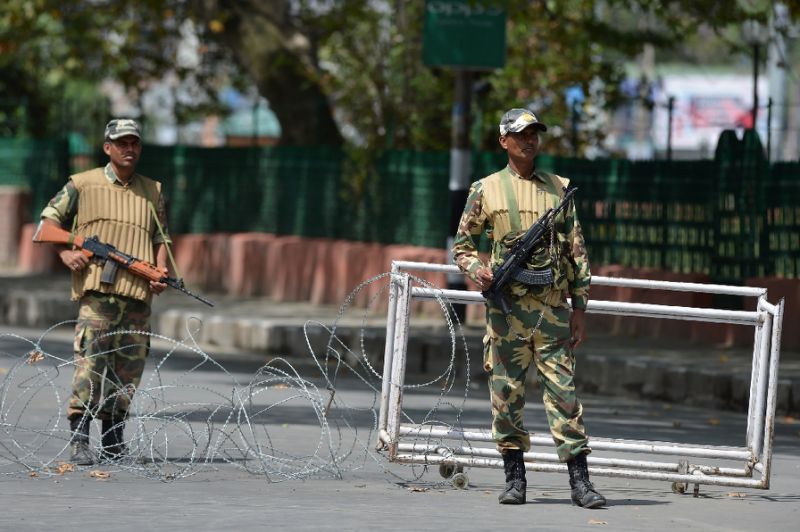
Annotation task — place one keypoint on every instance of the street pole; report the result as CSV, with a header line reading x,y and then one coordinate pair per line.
x,y
769,129
670,109
460,169
777,74
755,82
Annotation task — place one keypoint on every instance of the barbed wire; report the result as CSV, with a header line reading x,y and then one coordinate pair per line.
x,y
179,425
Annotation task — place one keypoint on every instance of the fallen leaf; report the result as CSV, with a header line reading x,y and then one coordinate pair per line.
x,y
33,474
724,358
3,371
99,475
597,522
34,357
737,494
789,419
713,421
417,489
280,386
667,407
64,467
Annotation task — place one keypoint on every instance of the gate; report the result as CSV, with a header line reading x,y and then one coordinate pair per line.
x,y
681,464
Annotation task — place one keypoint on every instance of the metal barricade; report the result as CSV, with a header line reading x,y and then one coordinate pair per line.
x,y
470,448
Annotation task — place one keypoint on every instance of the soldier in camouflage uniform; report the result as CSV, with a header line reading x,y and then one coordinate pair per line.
x,y
541,329
126,210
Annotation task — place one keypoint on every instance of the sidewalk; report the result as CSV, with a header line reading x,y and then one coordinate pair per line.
x,y
671,370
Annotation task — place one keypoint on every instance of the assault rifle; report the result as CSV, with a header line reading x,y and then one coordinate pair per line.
x,y
517,256
112,258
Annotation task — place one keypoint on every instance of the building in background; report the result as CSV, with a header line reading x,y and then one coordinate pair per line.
x,y
704,104
251,122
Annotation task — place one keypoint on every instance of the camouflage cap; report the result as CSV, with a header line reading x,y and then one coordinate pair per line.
x,y
119,127
515,120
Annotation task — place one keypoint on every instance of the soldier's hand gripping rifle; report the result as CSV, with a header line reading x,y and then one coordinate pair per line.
x,y
518,255
112,257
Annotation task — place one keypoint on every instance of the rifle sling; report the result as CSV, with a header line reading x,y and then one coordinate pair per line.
x,y
164,238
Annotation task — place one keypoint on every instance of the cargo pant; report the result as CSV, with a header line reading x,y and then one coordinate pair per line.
x,y
507,359
108,363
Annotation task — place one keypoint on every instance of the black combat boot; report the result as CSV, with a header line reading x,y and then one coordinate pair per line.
x,y
516,484
583,492
81,453
113,440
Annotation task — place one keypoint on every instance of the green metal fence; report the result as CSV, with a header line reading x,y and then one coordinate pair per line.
x,y
733,217
38,165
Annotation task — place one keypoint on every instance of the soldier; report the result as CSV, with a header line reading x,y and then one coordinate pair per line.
x,y
126,210
541,329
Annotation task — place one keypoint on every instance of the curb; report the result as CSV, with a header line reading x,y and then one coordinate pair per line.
x,y
601,370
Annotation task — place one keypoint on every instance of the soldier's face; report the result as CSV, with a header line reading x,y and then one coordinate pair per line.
x,y
125,151
523,145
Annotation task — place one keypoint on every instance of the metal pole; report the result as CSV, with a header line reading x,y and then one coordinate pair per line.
x,y
755,83
400,348
777,72
255,123
460,167
772,393
388,350
769,129
670,109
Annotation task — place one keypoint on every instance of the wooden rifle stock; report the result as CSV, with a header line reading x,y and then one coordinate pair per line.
x,y
114,258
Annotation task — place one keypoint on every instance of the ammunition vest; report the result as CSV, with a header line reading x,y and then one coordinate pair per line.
x,y
120,216
512,205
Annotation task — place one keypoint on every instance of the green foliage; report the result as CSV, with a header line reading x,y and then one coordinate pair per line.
x,y
349,66
46,46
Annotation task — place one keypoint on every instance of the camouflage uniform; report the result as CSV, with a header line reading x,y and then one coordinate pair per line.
x,y
111,346
507,357
108,364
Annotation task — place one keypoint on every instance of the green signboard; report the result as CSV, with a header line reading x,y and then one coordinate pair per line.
x,y
464,34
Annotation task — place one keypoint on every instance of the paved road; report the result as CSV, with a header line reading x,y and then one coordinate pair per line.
x,y
371,493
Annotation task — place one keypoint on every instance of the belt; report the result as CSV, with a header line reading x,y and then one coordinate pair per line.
x,y
541,277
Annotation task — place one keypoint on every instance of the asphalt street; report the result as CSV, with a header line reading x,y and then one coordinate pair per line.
x,y
365,491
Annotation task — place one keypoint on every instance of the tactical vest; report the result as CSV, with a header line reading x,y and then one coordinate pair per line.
x,y
119,216
512,205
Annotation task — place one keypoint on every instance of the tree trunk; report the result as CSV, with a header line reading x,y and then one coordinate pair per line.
x,y
303,110
279,58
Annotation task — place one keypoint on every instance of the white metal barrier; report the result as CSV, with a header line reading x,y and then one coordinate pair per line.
x,y
403,441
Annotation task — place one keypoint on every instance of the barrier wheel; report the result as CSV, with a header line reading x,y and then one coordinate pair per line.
x,y
460,481
678,487
447,470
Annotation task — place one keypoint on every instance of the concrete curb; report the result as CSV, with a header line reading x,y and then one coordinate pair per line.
x,y
430,352
612,368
